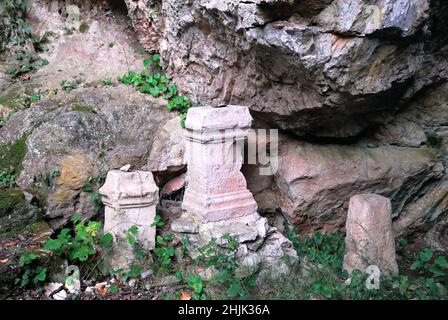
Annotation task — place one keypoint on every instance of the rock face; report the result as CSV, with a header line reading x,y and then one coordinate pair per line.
x,y
314,182
343,81
319,68
369,239
357,89
147,21
63,145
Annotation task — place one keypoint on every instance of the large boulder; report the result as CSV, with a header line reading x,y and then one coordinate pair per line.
x,y
69,139
84,135
308,67
314,182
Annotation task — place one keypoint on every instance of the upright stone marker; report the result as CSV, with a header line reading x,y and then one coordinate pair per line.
x,y
217,202
130,199
217,189
370,240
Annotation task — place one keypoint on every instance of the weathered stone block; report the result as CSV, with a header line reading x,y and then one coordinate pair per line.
x,y
130,199
370,240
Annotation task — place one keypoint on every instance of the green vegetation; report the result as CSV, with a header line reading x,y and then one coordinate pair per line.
x,y
27,62
11,157
91,186
158,84
83,246
84,27
80,246
70,85
434,140
319,276
16,34
16,29
324,256
10,199
7,179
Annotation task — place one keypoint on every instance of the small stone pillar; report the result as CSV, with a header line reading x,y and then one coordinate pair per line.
x,y
216,188
216,200
369,239
130,199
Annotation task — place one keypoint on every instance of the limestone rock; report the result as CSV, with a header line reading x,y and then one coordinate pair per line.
x,y
361,17
369,237
184,225
147,21
314,182
130,199
350,61
16,211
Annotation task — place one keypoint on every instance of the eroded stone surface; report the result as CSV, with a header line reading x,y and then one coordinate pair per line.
x,y
216,187
216,197
369,238
130,199
320,68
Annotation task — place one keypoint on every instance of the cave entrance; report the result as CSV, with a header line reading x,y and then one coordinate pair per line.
x,y
118,7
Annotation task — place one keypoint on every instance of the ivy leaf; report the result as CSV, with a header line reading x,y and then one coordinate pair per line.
x,y
133,230
106,240
147,62
41,275
53,244
160,240
76,219
154,91
441,262
426,255
235,290
135,272
27,258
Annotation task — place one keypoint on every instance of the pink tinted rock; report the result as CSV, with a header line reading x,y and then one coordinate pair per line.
x,y
174,185
369,239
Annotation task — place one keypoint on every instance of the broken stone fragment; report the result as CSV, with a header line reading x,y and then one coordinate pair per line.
x,y
130,199
184,225
369,239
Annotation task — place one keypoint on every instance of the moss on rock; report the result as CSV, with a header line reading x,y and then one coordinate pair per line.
x,y
12,155
15,211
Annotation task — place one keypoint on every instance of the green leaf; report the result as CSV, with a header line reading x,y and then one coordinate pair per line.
x,y
154,91
160,240
113,289
76,219
133,230
438,271
53,244
106,240
416,265
135,272
41,275
147,62
441,262
27,258
235,290
426,255
196,283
